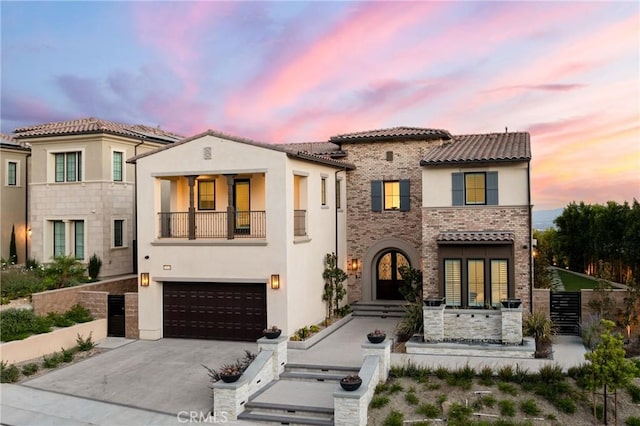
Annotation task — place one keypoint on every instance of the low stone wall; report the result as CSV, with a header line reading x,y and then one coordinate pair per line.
x,y
95,301
63,299
542,301
617,302
43,344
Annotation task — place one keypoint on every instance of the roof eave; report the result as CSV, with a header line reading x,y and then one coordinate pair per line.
x,y
316,159
434,137
430,163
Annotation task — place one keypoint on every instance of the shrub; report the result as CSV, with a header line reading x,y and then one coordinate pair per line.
x,y
506,374
395,388
508,388
412,321
85,344
507,407
566,405
530,407
462,377
9,373
591,329
395,418
64,271
59,320
634,392
411,398
379,401
433,386
486,376
550,374
30,369
17,283
441,399
16,324
381,387
632,421
459,413
66,355
93,269
430,411
442,373
521,374
78,314
51,361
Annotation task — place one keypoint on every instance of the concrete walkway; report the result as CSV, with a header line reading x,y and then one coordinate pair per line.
x,y
152,385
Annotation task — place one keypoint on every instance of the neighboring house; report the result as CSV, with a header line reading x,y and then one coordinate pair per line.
x,y
13,201
82,192
233,235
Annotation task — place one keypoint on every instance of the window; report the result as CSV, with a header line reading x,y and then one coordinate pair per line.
x,y
71,242
12,173
206,195
118,233
338,195
323,191
117,166
475,188
59,242
499,281
68,167
475,282
452,282
390,195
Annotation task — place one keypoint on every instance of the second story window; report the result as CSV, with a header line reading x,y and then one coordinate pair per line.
x,y
338,195
117,166
390,195
12,173
206,195
118,233
68,166
475,188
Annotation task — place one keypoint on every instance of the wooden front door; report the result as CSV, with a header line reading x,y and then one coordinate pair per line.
x,y
388,278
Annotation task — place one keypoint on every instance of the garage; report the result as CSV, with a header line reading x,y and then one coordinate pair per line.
x,y
222,311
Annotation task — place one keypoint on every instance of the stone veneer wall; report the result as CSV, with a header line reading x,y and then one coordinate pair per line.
x,y
479,325
366,227
96,302
63,299
542,301
471,218
131,330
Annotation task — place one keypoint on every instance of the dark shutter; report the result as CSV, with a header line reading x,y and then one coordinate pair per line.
x,y
376,195
492,188
457,186
404,195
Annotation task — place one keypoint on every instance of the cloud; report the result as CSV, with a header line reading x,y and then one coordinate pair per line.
x,y
18,110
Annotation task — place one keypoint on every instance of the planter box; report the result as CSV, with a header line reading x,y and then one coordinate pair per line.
x,y
43,344
306,344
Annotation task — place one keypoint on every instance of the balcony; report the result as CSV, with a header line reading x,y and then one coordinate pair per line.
x,y
213,225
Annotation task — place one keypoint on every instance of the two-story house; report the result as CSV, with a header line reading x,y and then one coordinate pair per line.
x,y
81,190
13,200
233,235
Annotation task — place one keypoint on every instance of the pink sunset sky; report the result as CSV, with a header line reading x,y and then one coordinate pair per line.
x,y
567,72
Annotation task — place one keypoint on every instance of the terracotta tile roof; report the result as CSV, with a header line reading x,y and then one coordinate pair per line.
x,y
406,133
290,151
473,237
490,147
318,148
9,141
95,125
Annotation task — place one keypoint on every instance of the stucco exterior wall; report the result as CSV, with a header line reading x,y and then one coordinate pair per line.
x,y
365,227
13,203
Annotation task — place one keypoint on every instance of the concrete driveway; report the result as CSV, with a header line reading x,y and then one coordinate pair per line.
x,y
164,375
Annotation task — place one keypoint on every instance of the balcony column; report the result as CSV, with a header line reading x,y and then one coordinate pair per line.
x,y
192,208
231,210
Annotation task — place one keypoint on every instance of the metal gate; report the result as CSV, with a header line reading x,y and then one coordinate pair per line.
x,y
115,315
565,312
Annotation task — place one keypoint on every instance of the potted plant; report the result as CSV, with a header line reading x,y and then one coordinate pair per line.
x,y
433,301
230,373
272,332
542,329
376,336
351,382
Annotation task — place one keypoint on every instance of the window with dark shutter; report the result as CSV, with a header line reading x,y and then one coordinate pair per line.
x,y
376,195
492,188
457,185
404,195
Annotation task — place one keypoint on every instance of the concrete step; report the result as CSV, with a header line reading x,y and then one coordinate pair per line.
x,y
338,369
287,414
316,373
392,309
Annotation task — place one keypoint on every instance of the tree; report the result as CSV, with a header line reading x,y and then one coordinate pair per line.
x,y
542,258
609,367
334,291
13,251
94,266
411,289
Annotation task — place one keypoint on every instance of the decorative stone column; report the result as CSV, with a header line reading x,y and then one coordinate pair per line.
x,y
433,317
383,352
279,348
512,325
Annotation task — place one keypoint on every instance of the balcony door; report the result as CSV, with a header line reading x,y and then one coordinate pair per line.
x,y
242,205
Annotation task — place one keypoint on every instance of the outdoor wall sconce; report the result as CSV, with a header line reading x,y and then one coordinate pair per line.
x,y
354,266
29,232
144,279
275,281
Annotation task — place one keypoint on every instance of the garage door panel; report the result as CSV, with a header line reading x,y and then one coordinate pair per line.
x,y
214,310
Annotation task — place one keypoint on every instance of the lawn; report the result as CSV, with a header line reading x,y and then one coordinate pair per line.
x,y
574,282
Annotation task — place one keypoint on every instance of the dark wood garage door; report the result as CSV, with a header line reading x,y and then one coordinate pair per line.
x,y
214,310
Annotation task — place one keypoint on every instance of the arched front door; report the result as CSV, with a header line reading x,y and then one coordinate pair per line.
x,y
388,278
